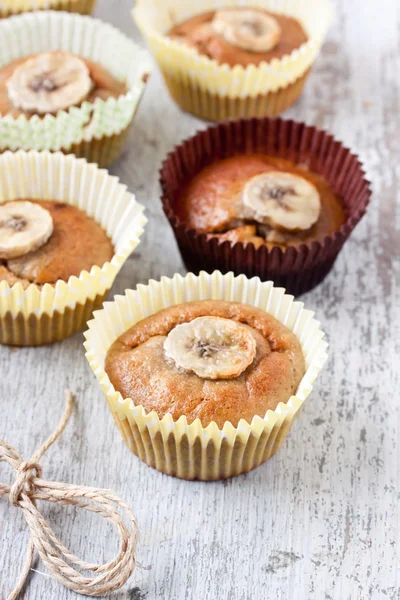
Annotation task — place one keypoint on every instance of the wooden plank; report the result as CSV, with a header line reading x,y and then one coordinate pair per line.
x,y
321,519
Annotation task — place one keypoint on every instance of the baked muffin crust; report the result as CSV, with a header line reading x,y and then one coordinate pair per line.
x,y
217,48
139,369
211,202
76,244
105,86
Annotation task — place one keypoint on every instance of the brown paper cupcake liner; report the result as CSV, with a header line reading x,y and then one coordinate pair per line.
x,y
298,269
83,7
214,107
188,450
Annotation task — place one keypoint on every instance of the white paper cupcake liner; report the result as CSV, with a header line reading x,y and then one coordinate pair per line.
x,y
185,66
191,451
87,37
13,7
47,176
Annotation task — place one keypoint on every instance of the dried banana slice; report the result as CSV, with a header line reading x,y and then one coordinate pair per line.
x,y
247,28
24,227
282,201
211,347
49,82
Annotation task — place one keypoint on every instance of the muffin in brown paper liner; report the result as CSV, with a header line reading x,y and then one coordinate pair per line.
x,y
83,7
189,450
298,269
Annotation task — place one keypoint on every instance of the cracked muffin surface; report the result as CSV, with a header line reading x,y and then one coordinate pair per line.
x,y
103,85
141,367
212,202
198,33
76,243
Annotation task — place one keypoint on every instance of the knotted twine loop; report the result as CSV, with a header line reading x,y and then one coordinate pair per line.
x,y
60,562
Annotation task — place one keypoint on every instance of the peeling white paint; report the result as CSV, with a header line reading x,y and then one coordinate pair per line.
x,y
321,520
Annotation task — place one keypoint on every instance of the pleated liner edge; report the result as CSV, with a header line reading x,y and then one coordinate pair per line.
x,y
297,269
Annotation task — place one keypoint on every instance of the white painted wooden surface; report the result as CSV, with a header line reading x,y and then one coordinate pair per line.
x,y
320,520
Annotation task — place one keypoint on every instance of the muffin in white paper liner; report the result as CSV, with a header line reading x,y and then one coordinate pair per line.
x,y
13,7
217,92
91,123
39,315
190,451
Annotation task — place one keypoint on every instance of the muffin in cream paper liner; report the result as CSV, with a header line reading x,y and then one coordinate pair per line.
x,y
190,451
13,7
40,315
298,269
91,130
218,92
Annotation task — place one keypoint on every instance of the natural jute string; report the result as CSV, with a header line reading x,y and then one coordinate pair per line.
x,y
61,563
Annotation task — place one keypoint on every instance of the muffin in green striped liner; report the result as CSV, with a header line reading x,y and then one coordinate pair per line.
x,y
95,130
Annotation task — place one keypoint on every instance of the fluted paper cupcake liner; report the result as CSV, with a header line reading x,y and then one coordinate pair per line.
x,y
298,269
212,91
96,122
41,315
13,7
214,107
191,451
103,151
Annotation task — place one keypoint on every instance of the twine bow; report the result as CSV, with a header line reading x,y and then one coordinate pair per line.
x,y
61,563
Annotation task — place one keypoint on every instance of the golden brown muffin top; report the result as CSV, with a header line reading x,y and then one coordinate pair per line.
x,y
140,368
104,85
197,33
77,243
211,202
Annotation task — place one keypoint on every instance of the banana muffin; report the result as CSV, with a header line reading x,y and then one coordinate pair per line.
x,y
213,360
45,83
260,199
47,241
9,8
240,36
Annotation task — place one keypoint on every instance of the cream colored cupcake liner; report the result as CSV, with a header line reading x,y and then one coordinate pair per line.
x,y
13,7
42,315
215,92
190,451
103,151
213,107
91,122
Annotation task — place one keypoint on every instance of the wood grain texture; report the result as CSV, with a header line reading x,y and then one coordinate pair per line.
x,y
321,519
